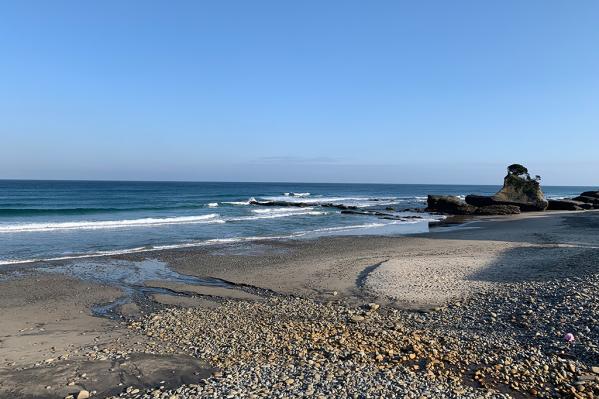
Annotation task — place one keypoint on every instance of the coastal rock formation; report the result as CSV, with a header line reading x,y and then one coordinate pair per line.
x,y
592,194
480,200
519,189
278,203
588,200
299,204
564,205
456,206
520,193
498,210
379,214
449,204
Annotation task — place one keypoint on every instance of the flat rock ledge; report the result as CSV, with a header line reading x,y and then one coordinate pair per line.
x,y
456,206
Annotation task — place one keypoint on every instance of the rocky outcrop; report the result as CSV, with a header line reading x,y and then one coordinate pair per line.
x,y
564,205
519,189
380,215
338,206
592,194
448,204
279,203
520,193
456,206
589,206
299,204
485,200
498,210
480,200
588,200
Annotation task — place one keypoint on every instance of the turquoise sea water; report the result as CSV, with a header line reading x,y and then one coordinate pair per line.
x,y
70,219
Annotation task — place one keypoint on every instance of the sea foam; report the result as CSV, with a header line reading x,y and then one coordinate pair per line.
x,y
108,224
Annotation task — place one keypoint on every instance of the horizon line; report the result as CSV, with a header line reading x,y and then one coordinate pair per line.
x,y
268,182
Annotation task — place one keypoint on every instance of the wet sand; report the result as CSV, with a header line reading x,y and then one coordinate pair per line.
x,y
417,271
49,338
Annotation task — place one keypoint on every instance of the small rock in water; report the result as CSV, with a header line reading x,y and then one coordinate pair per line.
x,y
83,394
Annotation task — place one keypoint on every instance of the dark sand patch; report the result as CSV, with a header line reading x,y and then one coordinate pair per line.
x,y
106,377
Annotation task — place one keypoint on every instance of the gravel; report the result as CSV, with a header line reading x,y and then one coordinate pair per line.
x,y
504,342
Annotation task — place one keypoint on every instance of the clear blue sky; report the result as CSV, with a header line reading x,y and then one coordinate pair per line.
x,y
353,91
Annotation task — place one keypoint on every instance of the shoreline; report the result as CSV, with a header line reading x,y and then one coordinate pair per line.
x,y
454,221
450,275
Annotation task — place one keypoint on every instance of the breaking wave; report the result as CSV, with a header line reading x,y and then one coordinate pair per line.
x,y
153,222
108,224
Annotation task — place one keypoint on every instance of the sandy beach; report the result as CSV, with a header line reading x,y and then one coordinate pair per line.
x,y
280,200
473,310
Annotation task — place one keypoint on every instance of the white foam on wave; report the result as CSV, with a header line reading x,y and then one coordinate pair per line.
x,y
560,196
274,211
153,222
213,205
277,215
109,224
307,198
240,203
360,202
315,200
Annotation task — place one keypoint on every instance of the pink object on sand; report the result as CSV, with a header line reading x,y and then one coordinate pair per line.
x,y
569,337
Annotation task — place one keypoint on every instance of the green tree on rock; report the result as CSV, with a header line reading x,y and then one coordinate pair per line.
x,y
518,170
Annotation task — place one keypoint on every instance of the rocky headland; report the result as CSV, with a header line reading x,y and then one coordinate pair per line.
x,y
520,193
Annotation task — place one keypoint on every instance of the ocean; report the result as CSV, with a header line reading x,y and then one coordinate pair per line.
x,y
49,220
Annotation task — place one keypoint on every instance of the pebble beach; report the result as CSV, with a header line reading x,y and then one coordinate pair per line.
x,y
507,343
